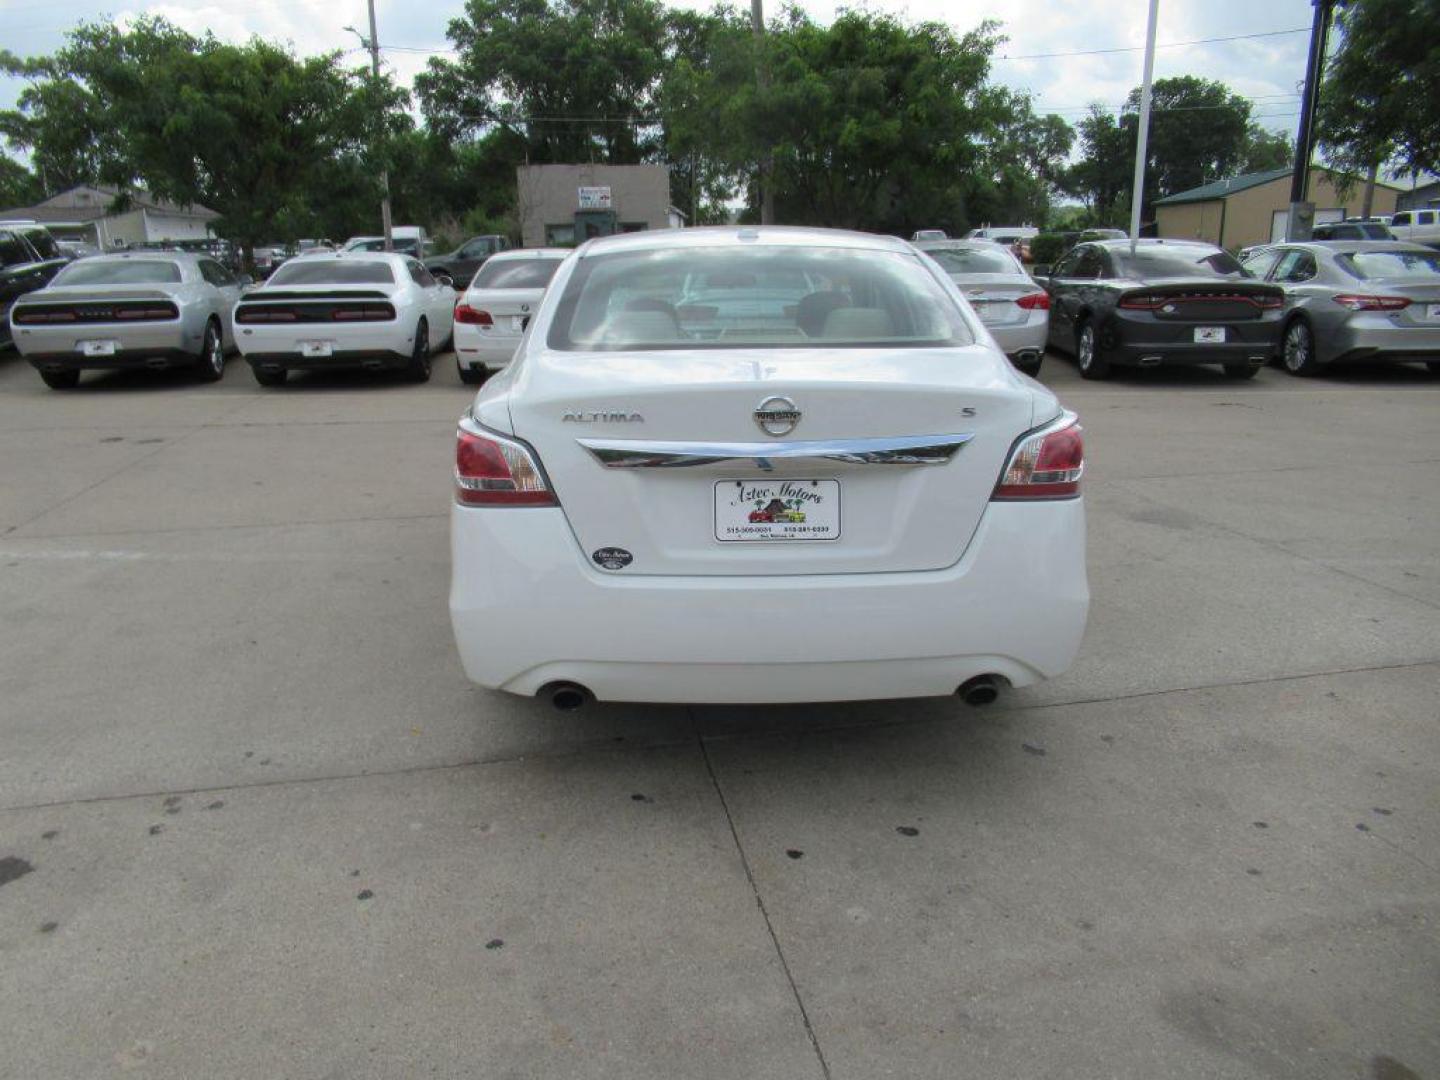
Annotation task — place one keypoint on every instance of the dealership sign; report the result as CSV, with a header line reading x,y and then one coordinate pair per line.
x,y
594,198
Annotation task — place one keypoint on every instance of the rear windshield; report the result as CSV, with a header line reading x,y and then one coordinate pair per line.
x,y
960,261
516,274
731,297
333,272
1392,264
119,272
1151,263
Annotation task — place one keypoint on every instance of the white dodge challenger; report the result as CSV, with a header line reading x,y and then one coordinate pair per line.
x,y
368,310
763,465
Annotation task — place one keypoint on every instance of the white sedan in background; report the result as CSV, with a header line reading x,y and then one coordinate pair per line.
x,y
491,317
372,311
1013,308
848,495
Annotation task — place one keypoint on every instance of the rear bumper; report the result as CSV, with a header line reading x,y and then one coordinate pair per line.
x,y
1142,340
528,608
367,345
1027,337
475,348
1375,338
164,344
370,359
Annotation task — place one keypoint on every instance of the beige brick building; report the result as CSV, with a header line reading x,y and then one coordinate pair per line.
x,y
1253,209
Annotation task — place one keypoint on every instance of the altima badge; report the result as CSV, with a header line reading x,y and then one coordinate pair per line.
x,y
601,416
777,416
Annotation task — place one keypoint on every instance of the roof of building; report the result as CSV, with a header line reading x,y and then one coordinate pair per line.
x,y
1220,189
89,202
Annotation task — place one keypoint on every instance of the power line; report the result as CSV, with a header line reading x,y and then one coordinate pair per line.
x,y
1164,45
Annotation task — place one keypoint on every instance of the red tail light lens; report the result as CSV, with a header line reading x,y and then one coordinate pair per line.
x,y
464,313
491,470
1046,464
1141,302
1035,301
1372,303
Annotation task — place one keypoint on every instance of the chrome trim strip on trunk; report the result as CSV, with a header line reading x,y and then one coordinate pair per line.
x,y
900,450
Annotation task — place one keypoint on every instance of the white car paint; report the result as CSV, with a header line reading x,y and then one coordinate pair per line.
x,y
1012,306
934,578
489,345
317,289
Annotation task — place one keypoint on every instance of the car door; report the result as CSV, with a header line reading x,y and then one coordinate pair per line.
x,y
437,300
1062,286
223,294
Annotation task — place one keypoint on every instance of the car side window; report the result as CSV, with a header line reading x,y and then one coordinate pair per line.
x,y
1425,217
1261,264
1065,267
1087,265
1400,219
216,274
420,275
1295,266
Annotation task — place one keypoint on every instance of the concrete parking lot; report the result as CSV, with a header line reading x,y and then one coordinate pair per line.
x,y
254,822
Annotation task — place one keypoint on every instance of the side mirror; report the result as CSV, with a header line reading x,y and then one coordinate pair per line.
x,y
446,280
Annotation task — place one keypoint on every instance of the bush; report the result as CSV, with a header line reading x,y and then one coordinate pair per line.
x,y
1047,247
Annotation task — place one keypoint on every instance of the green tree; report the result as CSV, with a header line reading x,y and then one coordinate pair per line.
x,y
18,185
576,79
272,142
1103,175
1266,150
1380,99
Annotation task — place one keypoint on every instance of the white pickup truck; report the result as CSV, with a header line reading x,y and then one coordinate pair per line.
x,y
1417,226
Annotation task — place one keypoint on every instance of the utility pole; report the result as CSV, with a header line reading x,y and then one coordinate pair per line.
x,y
1302,213
385,222
762,81
1142,134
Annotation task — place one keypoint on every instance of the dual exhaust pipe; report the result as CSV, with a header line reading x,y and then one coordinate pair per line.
x,y
571,697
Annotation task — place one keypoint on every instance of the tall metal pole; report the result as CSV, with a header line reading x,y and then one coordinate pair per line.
x,y
1142,134
1295,228
384,173
762,81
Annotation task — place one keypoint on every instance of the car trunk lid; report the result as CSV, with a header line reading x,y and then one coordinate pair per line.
x,y
661,454
1203,300
994,296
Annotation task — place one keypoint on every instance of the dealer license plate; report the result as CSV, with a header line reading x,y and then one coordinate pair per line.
x,y
317,348
1432,311
99,348
1209,335
777,510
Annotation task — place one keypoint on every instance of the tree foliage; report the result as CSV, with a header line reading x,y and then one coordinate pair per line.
x,y
1380,99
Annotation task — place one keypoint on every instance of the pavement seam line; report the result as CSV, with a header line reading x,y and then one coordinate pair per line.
x,y
437,516
764,912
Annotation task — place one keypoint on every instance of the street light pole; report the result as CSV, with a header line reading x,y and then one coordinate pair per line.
x,y
1142,136
762,80
1302,213
384,173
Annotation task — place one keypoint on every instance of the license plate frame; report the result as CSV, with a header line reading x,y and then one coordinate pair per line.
x,y
317,350
1209,335
812,507
99,348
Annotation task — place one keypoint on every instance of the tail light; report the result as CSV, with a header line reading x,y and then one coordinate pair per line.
x,y
364,313
160,312
1035,301
491,470
1142,302
262,315
1046,464
1372,303
464,313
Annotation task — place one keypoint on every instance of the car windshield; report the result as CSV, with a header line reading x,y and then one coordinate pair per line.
x,y
1392,264
724,297
958,261
333,272
120,272
516,274
1151,263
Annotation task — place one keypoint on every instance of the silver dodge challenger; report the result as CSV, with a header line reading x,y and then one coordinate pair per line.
x,y
144,309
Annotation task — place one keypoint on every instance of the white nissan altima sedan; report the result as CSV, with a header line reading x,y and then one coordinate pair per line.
x,y
763,465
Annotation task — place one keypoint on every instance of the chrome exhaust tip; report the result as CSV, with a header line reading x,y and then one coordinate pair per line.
x,y
565,696
981,690
1150,361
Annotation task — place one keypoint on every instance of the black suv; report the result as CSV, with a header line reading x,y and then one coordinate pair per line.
x,y
460,265
29,258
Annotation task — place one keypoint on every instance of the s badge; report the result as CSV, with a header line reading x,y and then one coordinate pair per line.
x,y
612,558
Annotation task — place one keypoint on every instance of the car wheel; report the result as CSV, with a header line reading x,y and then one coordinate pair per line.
x,y
61,380
1029,367
419,369
1241,369
210,367
1087,355
271,376
1299,349
472,376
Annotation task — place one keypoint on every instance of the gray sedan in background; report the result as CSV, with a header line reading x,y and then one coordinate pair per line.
x,y
147,309
1013,308
1363,300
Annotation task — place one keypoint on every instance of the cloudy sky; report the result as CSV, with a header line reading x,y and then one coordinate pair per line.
x,y
1266,66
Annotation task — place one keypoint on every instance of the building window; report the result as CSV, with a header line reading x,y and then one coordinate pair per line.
x,y
561,235
633,226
